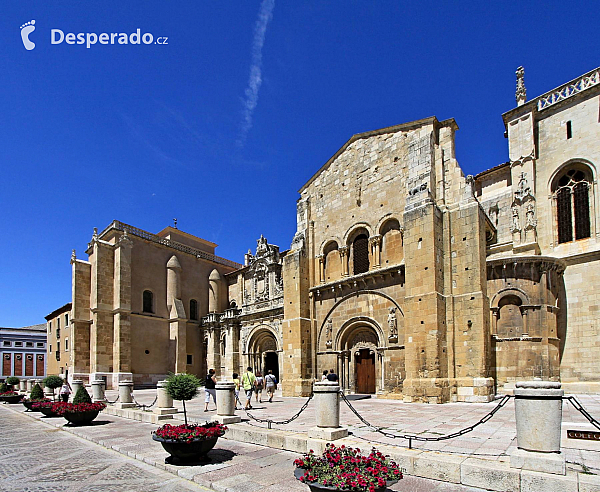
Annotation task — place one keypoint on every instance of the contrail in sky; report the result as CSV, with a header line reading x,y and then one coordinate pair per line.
x,y
255,80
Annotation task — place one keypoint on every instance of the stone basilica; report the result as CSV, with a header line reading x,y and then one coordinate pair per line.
x,y
409,278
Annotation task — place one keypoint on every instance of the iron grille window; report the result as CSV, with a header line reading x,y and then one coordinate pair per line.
x,y
573,205
582,210
361,254
148,302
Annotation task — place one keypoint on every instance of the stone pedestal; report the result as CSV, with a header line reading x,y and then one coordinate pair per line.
x,y
538,413
48,393
226,403
30,383
164,403
125,398
327,408
75,385
98,390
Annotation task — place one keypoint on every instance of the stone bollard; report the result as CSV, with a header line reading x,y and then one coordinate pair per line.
x,y
327,408
538,414
98,390
125,398
75,385
164,403
225,391
30,385
23,386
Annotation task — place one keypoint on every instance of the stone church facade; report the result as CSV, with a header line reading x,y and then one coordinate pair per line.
x,y
407,277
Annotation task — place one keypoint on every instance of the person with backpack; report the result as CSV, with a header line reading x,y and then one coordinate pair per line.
x,y
260,384
271,384
209,388
249,382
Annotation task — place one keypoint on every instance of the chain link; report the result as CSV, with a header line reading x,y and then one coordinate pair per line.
x,y
144,407
281,422
579,407
411,437
111,402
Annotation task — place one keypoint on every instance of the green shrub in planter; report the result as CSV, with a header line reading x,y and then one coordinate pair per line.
x,y
182,387
3,387
53,382
36,393
82,396
12,381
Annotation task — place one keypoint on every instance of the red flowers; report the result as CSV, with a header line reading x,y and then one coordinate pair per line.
x,y
9,393
190,432
61,407
346,469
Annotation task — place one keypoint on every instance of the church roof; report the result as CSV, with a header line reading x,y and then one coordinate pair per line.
x,y
390,129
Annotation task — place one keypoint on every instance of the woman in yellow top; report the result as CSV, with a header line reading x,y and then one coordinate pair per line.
x,y
236,380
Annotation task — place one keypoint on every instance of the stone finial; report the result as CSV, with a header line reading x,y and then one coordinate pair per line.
x,y
95,232
521,94
175,223
73,257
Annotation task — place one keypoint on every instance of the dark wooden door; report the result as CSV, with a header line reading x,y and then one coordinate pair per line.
x,y
365,371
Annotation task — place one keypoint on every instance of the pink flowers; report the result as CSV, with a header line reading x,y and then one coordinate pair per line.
x,y
9,393
347,469
190,432
61,407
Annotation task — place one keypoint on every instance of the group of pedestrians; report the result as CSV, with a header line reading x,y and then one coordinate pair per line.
x,y
330,376
250,383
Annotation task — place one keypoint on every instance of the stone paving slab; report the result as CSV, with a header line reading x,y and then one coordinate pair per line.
x,y
253,464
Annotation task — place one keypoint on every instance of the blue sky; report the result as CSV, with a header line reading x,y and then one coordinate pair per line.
x,y
222,126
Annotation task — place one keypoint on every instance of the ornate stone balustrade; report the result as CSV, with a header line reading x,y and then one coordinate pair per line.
x,y
569,89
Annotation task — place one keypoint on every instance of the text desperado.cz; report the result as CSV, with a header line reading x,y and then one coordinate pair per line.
x,y
89,38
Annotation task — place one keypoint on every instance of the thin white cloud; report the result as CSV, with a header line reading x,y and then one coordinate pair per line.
x,y
254,82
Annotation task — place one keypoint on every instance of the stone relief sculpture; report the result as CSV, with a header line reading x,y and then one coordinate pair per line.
x,y
329,333
516,226
530,220
392,324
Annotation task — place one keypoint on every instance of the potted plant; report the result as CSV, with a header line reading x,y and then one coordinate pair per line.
x,y
12,381
344,468
36,396
53,382
82,411
185,442
11,397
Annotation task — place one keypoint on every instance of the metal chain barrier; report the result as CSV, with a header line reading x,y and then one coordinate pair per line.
x,y
579,407
142,406
411,437
270,422
110,402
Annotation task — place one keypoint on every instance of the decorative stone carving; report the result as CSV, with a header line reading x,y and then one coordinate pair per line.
x,y
521,92
392,325
516,225
530,220
364,339
329,333
358,190
417,189
523,188
73,257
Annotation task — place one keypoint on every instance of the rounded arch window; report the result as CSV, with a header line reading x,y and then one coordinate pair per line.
x,y
148,301
193,309
360,254
571,191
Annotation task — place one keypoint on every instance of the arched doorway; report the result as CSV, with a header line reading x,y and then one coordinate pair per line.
x,y
263,352
359,369
271,362
364,370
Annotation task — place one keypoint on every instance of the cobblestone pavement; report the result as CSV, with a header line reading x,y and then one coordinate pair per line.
x,y
38,458
493,439
57,460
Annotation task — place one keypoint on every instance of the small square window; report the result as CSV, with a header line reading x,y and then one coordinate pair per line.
x,y
18,344
29,344
190,359
66,344
6,343
39,344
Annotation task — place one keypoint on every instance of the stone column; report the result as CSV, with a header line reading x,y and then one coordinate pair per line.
x,y
48,393
22,386
343,250
376,250
164,403
98,390
327,408
125,398
29,385
226,403
538,413
75,385
321,260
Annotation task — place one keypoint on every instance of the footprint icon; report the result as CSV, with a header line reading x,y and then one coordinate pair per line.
x,y
26,30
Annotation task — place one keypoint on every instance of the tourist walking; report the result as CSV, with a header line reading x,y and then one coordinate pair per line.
x,y
332,376
260,384
65,391
271,384
249,382
236,381
209,388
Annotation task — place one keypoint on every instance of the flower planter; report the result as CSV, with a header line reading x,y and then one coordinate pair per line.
x,y
316,487
187,451
11,398
28,404
47,411
81,418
